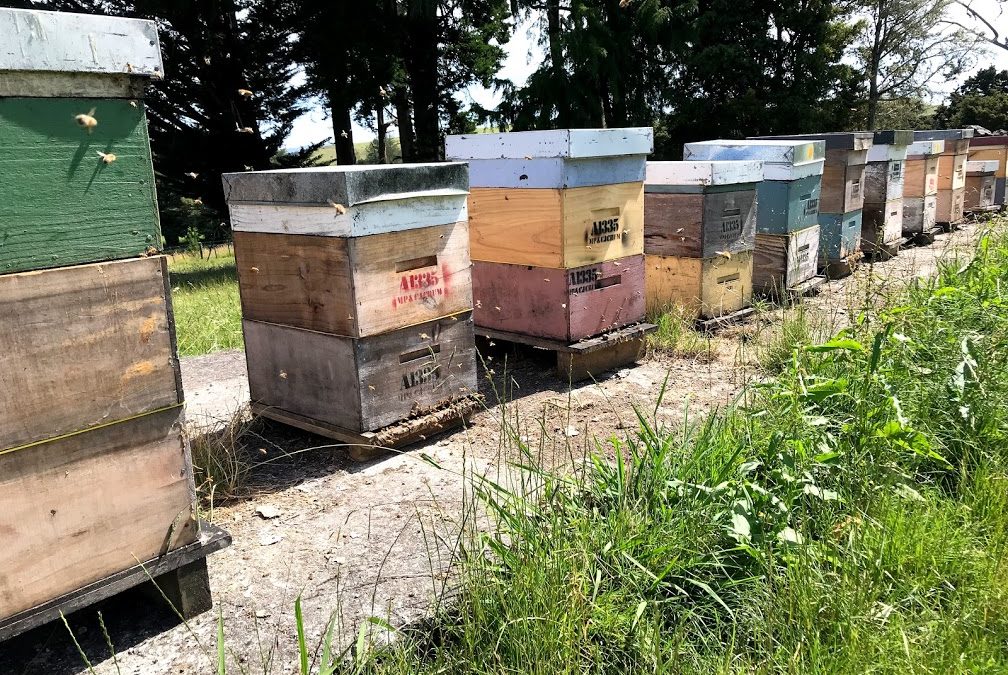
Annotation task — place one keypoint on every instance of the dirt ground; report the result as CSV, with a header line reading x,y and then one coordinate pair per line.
x,y
378,539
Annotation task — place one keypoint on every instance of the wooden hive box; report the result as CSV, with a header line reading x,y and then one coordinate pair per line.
x,y
355,286
74,152
882,212
788,197
710,287
919,214
992,148
920,177
94,471
949,206
785,261
361,384
979,192
560,304
839,237
700,209
951,171
555,199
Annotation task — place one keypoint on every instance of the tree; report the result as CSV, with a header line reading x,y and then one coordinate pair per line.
x,y
905,44
985,21
981,100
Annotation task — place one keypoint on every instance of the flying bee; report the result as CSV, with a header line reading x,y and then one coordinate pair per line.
x,y
87,120
340,209
107,157
245,93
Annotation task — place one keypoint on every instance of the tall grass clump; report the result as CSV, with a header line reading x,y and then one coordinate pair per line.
x,y
676,335
848,516
206,303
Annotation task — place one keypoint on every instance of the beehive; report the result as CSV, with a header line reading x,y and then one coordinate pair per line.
x,y
979,192
710,287
842,189
951,171
356,290
920,186
699,210
787,204
992,148
95,474
882,212
567,206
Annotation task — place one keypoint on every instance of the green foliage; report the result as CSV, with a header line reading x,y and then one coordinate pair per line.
x,y
206,303
982,100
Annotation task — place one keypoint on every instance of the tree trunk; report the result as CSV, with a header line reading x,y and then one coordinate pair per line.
x,y
553,32
404,118
342,128
873,66
421,66
382,129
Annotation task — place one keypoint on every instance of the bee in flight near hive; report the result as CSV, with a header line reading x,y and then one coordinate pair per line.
x,y
87,120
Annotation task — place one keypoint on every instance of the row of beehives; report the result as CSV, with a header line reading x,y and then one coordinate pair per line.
x,y
360,301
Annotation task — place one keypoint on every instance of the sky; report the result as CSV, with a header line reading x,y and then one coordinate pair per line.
x,y
524,55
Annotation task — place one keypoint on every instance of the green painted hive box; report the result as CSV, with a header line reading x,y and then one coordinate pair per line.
x,y
78,182
839,236
785,206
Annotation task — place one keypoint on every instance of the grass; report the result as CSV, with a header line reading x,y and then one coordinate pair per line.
x,y
206,303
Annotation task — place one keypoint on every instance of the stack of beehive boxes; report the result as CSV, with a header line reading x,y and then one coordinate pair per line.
x,y
94,472
951,172
920,188
787,231
356,291
556,230
979,193
882,214
992,148
699,234
842,198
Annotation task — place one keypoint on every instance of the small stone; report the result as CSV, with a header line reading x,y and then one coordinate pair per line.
x,y
270,538
268,512
570,432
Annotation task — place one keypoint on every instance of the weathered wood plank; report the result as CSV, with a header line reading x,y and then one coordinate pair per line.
x,y
700,225
843,181
881,225
38,84
920,176
602,223
997,153
361,384
559,304
84,346
701,174
978,195
949,207
919,214
556,172
572,143
60,203
711,287
78,43
839,236
952,171
785,261
79,508
354,286
883,181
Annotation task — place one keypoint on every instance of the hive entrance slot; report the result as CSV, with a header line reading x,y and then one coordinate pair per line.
x,y
416,263
417,354
609,281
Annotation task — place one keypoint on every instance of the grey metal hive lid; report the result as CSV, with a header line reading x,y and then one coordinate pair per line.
x,y
62,42
770,151
835,140
347,185
943,134
894,137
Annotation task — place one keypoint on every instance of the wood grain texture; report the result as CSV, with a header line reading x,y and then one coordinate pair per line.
x,y
979,192
78,43
556,228
701,174
84,346
60,204
883,181
919,214
952,171
79,508
41,84
839,236
998,153
920,176
881,224
700,225
355,286
949,206
361,384
783,261
710,287
560,304
353,221
842,181
787,206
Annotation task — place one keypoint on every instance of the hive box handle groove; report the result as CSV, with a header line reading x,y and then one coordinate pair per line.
x,y
416,263
418,354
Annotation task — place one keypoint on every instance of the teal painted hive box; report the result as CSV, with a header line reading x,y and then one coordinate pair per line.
x,y
839,236
786,206
77,180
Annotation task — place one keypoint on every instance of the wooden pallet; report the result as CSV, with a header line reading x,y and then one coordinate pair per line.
x,y
367,445
927,237
587,358
805,289
883,252
181,575
713,324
